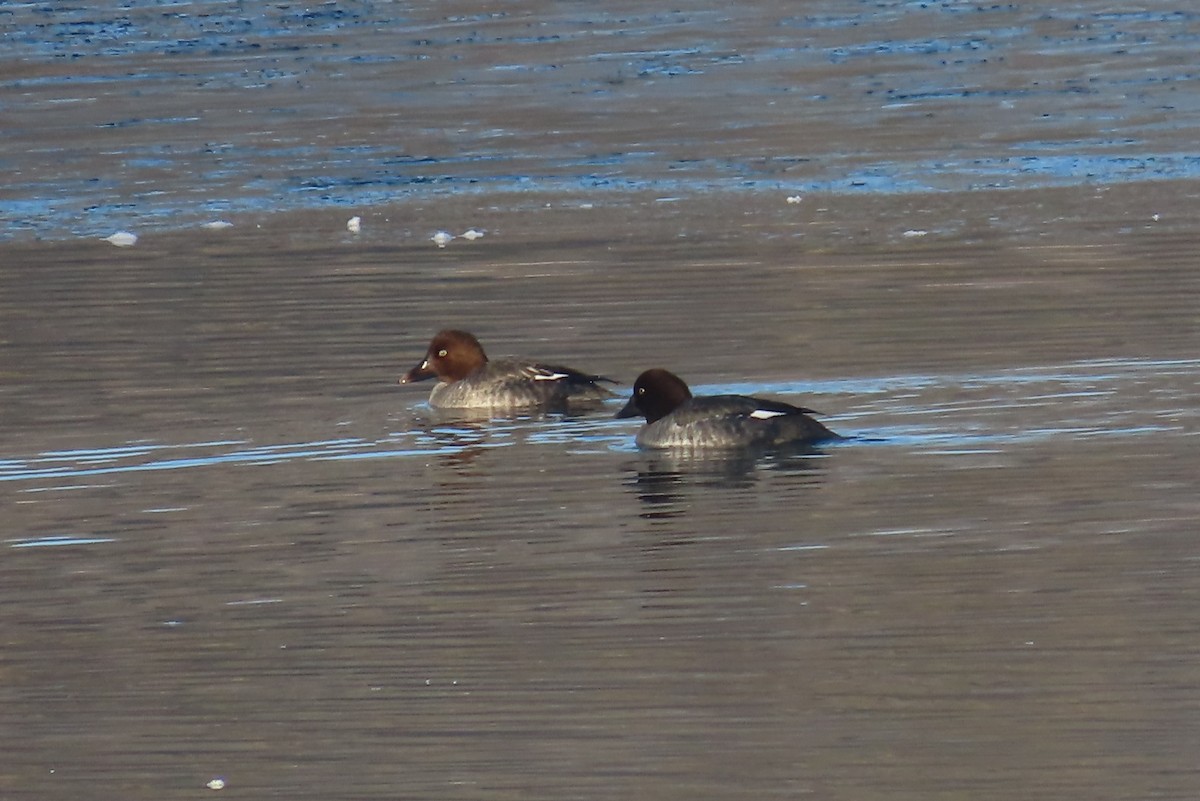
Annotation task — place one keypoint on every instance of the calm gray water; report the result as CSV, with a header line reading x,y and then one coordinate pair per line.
x,y
232,547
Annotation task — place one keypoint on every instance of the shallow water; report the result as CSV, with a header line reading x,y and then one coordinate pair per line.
x,y
164,114
232,546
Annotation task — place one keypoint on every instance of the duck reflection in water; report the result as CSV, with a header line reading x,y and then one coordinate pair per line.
x,y
665,481
717,440
461,435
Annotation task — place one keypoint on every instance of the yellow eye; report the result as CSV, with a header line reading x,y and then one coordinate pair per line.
x,y
641,390
442,353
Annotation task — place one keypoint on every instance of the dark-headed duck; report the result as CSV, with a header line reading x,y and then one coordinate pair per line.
x,y
467,379
676,419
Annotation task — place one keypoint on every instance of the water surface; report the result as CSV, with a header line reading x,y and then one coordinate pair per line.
x,y
232,547
166,114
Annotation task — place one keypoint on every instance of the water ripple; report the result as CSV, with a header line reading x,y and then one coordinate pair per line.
x,y
1083,400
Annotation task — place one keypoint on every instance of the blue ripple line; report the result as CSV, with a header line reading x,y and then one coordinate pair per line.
x,y
56,542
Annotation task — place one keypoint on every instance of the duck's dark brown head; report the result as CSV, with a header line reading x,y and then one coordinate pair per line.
x,y
656,393
452,356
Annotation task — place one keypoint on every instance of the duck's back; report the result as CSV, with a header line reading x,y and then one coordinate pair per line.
x,y
515,383
733,421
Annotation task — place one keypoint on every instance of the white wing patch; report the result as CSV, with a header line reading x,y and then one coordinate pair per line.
x,y
765,414
540,374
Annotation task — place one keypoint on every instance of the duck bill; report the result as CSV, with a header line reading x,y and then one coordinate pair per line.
x,y
629,410
419,373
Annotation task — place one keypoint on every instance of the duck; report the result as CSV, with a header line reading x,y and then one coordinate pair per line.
x,y
467,379
677,419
